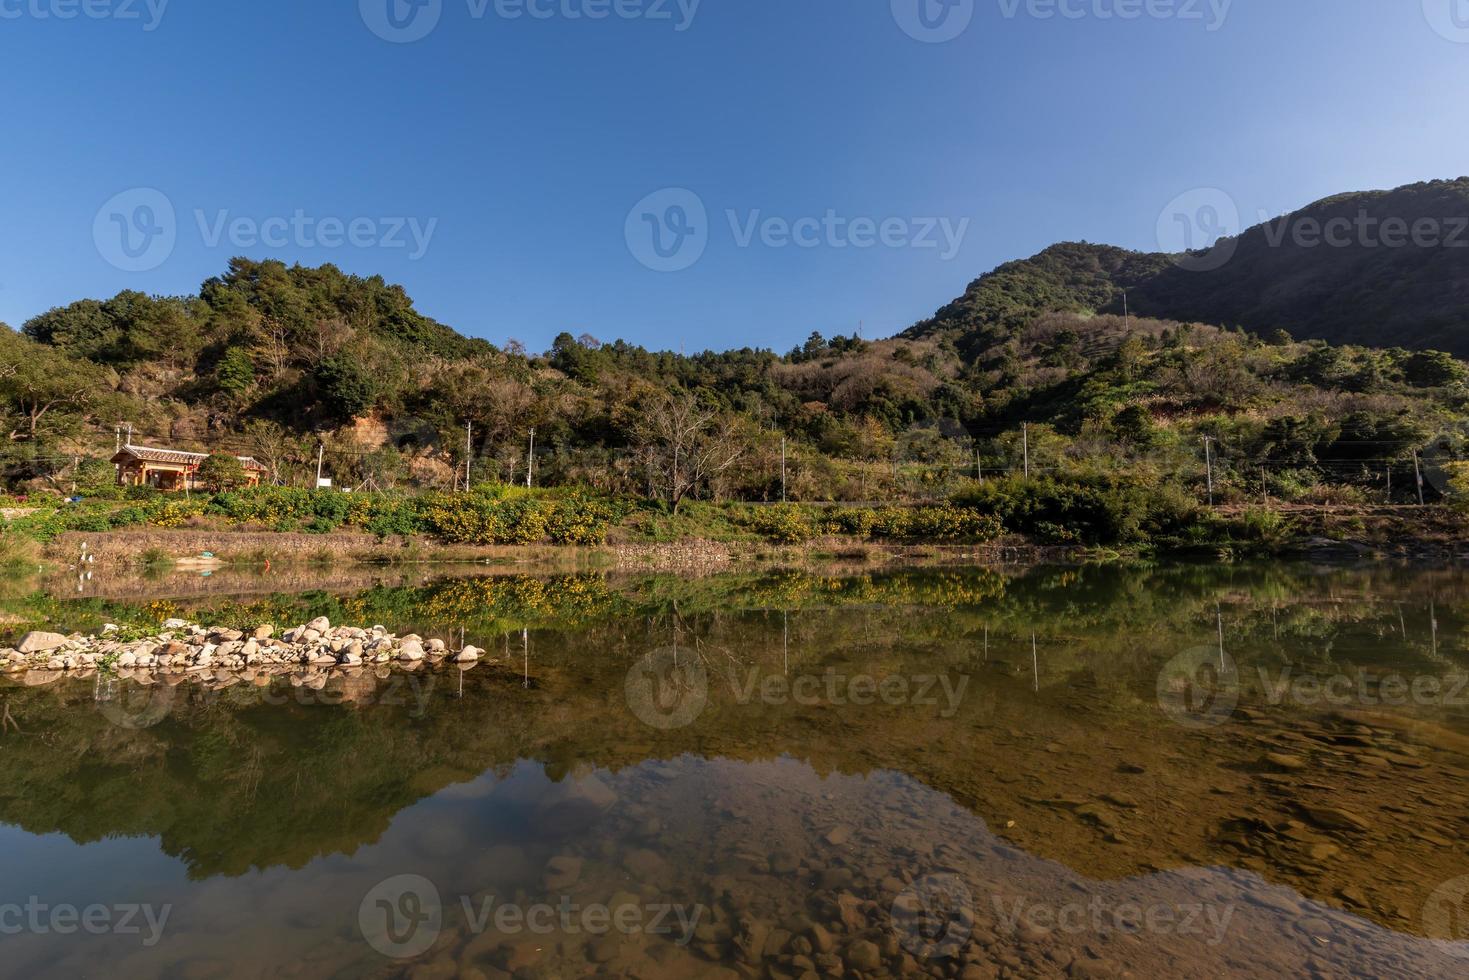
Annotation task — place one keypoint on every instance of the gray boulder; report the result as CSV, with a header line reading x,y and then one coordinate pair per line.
x,y
39,642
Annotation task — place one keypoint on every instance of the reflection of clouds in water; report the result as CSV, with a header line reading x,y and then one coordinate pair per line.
x,y
752,837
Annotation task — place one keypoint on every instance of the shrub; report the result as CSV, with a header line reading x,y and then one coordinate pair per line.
x,y
320,525
953,524
782,523
175,513
94,522
581,520
856,522
493,514
1092,510
43,526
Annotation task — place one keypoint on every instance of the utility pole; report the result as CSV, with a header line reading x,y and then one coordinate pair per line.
x,y
1025,444
468,452
1264,488
1418,475
782,469
320,453
1209,463
1126,313
530,460
979,466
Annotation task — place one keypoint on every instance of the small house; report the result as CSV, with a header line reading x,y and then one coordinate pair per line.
x,y
171,469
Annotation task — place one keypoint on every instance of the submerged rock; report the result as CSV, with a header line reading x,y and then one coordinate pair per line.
x,y
1334,818
864,955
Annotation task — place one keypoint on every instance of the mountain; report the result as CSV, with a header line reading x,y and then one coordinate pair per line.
x,y
1033,365
1378,268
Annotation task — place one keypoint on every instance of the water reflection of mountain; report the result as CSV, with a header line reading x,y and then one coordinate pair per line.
x,y
1066,754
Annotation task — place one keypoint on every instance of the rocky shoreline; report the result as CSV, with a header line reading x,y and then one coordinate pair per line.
x,y
183,648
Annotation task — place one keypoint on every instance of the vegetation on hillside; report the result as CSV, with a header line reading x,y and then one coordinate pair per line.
x,y
1031,400
1369,268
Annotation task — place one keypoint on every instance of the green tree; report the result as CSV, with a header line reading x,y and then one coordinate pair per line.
x,y
1135,425
1433,369
41,389
235,372
346,388
221,472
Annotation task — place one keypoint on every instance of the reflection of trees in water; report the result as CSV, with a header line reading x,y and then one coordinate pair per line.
x,y
247,777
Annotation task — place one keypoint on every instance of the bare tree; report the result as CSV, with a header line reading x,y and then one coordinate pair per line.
x,y
273,447
687,445
274,346
328,337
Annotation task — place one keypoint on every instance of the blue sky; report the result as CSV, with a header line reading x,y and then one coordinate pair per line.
x,y
519,147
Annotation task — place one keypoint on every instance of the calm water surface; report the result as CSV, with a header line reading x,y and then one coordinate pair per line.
x,y
1178,771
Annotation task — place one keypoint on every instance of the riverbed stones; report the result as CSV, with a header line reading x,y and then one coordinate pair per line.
x,y
1334,818
40,642
562,871
219,656
1285,761
839,835
863,955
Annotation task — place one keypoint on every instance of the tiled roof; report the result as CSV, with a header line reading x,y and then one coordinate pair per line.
x,y
179,457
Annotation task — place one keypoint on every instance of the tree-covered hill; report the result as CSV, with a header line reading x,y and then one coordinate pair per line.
x,y
1378,268
1034,371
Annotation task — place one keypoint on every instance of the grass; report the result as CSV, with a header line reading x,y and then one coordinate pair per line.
x,y
155,557
18,550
